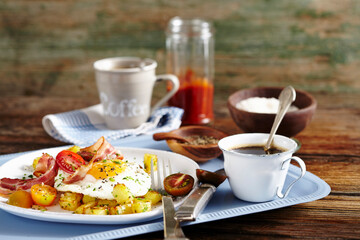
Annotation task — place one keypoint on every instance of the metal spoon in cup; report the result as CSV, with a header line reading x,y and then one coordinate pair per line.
x,y
286,97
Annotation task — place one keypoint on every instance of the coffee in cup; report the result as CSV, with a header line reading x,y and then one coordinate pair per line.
x,y
256,176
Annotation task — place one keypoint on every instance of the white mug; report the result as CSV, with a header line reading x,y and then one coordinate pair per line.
x,y
125,86
259,178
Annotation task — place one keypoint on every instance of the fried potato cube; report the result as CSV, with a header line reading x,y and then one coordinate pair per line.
x,y
97,211
147,162
141,205
82,208
87,199
122,194
121,209
153,196
70,201
35,162
106,203
74,149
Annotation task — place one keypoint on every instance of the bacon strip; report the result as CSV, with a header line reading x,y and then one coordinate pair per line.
x,y
9,185
4,192
88,153
87,156
43,164
102,150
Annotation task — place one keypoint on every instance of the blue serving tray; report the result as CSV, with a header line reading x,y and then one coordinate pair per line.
x,y
223,205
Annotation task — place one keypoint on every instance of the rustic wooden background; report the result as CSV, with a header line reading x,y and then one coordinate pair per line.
x,y
48,46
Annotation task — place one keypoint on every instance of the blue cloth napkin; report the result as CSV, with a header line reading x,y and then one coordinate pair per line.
x,y
85,126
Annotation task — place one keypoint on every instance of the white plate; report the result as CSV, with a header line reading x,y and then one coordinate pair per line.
x,y
15,168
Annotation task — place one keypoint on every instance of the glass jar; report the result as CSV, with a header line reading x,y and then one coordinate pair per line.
x,y
190,56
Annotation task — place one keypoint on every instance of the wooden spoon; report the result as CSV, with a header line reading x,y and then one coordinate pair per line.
x,y
169,136
199,153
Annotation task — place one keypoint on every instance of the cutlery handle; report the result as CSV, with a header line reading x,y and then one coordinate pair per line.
x,y
172,228
195,203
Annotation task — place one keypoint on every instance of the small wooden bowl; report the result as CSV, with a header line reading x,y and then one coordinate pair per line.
x,y
199,153
293,122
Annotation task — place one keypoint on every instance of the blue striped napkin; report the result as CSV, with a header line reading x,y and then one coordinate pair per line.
x,y
85,126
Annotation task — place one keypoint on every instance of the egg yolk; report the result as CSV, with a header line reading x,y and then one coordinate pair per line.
x,y
107,168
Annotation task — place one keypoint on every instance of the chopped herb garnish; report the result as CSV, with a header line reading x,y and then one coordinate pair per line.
x,y
128,178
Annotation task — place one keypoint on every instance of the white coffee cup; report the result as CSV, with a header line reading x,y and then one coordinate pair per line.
x,y
259,178
125,86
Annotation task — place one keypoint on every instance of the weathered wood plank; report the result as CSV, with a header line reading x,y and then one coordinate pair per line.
x,y
48,47
339,124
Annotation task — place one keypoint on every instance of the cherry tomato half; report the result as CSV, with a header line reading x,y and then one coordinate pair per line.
x,y
69,161
178,184
20,198
43,195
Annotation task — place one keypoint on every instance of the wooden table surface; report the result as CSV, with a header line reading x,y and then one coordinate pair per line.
x,y
330,148
48,48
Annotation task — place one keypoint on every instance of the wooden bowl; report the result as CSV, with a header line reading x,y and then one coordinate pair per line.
x,y
199,153
293,122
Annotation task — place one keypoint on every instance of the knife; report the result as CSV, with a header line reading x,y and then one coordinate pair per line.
x,y
201,195
172,228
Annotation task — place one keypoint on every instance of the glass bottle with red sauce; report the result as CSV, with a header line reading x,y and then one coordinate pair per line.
x,y
190,56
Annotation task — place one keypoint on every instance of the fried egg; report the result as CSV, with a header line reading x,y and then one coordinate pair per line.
x,y
104,175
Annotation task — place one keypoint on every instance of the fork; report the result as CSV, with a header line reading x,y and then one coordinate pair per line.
x,y
162,171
